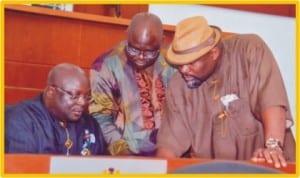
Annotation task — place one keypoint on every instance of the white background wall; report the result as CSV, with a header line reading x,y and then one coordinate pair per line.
x,y
277,31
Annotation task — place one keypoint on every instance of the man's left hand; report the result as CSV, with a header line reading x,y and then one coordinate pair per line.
x,y
271,155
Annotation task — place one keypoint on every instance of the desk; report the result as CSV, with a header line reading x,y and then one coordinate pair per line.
x,y
40,164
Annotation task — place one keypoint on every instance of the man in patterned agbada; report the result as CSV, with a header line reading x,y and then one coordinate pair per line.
x,y
128,84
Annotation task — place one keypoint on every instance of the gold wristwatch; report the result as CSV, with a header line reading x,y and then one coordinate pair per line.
x,y
273,143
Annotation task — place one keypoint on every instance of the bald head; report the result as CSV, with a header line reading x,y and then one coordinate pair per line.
x,y
65,72
145,25
68,92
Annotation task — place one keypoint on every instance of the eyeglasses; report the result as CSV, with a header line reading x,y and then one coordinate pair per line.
x,y
73,97
147,54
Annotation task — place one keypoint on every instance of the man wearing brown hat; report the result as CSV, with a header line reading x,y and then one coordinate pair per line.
x,y
227,101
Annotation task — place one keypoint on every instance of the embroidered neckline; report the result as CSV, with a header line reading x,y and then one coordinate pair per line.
x,y
149,103
68,142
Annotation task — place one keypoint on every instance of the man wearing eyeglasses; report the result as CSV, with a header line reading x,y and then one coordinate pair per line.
x,y
56,121
128,84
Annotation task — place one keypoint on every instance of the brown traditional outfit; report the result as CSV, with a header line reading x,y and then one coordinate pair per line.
x,y
197,118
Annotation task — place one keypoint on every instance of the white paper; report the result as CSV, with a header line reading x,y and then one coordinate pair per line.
x,y
228,98
92,165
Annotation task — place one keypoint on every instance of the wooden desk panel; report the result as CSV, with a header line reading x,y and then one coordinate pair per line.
x,y
177,163
36,164
27,164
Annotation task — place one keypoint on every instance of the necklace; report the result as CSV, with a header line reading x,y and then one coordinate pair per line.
x,y
68,142
223,114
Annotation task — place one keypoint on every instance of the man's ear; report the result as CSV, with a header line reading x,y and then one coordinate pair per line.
x,y
49,91
215,52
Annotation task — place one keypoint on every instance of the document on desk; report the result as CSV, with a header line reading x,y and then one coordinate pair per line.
x,y
95,165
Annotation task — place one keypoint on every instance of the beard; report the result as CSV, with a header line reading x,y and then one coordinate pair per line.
x,y
194,83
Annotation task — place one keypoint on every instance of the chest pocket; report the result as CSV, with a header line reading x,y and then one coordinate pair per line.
x,y
243,135
243,121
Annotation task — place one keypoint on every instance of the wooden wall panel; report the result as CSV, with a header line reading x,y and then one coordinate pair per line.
x,y
26,75
15,95
41,39
126,10
106,10
37,38
97,39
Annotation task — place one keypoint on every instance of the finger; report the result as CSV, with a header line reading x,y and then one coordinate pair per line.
x,y
278,158
261,154
255,156
275,157
282,160
267,154
256,152
260,160
258,156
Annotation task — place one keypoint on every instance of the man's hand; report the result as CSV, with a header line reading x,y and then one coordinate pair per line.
x,y
271,155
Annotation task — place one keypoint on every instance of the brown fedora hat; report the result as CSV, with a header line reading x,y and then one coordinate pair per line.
x,y
192,39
